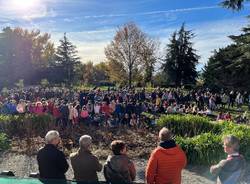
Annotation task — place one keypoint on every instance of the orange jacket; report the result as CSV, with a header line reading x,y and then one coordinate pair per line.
x,y
165,166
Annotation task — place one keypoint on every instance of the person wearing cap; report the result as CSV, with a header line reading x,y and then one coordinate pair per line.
x,y
85,165
231,169
166,161
52,163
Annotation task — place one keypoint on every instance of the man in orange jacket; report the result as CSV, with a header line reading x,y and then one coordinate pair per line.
x,y
166,161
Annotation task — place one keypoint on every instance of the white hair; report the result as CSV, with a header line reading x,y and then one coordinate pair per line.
x,y
51,135
85,141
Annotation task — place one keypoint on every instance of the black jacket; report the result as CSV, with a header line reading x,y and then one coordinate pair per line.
x,y
52,163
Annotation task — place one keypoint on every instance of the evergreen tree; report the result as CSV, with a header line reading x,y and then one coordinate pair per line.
x,y
179,65
67,59
233,4
230,67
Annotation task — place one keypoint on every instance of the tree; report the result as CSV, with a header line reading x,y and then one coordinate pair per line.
x,y
229,67
23,54
180,62
125,49
233,4
149,59
66,57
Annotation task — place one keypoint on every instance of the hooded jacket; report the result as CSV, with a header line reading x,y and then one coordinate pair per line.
x,y
119,169
165,164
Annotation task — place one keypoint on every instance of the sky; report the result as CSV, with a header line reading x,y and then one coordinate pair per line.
x,y
92,24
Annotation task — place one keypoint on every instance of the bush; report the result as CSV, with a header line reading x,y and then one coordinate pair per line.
x,y
188,125
25,125
4,142
202,140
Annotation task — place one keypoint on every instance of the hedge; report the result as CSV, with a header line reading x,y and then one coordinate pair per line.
x,y
25,125
188,125
4,142
202,139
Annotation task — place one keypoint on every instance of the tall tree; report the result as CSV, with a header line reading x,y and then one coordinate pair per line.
x,y
233,4
125,49
229,67
181,59
22,54
149,59
66,57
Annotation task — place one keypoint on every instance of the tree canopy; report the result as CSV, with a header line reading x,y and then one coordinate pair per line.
x,y
229,67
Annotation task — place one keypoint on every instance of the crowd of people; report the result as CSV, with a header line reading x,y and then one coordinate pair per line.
x,y
115,107
164,166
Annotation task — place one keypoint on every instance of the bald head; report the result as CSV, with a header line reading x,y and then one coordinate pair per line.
x,y
165,134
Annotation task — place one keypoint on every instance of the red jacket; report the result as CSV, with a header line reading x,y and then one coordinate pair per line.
x,y
165,166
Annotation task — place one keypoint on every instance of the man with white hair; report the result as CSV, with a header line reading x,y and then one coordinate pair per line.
x,y
84,163
52,163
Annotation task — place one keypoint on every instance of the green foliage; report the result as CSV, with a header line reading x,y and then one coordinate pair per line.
x,y
202,149
180,61
20,84
25,125
24,55
4,142
67,59
44,82
188,125
202,139
233,4
231,62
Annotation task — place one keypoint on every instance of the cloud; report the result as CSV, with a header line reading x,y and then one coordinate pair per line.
x,y
151,12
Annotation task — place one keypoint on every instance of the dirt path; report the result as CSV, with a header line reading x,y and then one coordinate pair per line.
x,y
22,165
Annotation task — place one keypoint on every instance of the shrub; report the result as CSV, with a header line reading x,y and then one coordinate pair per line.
x,y
202,139
4,142
25,125
188,125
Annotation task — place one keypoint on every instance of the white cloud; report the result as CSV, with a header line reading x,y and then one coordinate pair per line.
x,y
151,12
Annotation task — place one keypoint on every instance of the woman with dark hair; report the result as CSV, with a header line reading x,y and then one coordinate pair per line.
x,y
118,167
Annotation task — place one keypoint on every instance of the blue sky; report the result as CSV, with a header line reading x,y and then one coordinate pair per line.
x,y
91,24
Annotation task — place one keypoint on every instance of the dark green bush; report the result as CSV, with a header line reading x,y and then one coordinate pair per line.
x,y
4,142
25,125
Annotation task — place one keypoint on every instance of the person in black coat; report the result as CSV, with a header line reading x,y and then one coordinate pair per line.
x,y
52,163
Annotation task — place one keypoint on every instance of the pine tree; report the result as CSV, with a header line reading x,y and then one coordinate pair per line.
x,y
179,65
67,59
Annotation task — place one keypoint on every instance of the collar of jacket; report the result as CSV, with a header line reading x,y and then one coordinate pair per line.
x,y
167,144
81,150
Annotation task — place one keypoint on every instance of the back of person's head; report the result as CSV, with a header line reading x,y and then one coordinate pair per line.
x,y
165,134
117,146
85,142
51,135
232,142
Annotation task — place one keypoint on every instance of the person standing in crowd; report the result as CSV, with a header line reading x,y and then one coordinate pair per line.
x,y
119,169
230,170
85,165
166,161
52,163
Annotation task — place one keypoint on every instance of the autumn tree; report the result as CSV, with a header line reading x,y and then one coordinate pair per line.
x,y
125,49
